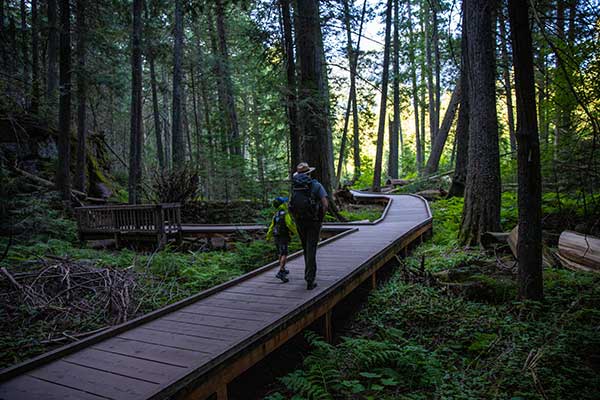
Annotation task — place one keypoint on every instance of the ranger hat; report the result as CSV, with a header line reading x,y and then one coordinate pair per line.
x,y
303,168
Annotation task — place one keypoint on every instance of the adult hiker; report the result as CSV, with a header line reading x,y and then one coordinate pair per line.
x,y
308,206
281,230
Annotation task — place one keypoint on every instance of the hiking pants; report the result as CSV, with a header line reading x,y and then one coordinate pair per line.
x,y
309,236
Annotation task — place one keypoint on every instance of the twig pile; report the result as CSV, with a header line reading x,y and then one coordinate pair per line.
x,y
58,289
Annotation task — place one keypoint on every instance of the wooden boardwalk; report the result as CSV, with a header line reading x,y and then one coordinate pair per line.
x,y
194,348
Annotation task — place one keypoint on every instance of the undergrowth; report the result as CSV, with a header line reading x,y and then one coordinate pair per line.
x,y
415,341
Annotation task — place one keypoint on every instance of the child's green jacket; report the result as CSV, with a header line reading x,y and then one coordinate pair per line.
x,y
289,222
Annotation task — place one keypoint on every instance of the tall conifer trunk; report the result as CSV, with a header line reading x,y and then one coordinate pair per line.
x,y
312,91
80,170
136,139
376,186
529,246
481,212
176,124
63,175
290,71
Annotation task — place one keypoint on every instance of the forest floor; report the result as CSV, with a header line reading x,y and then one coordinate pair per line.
x,y
62,291
418,337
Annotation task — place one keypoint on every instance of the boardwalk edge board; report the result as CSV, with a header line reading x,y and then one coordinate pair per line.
x,y
174,388
208,376
28,365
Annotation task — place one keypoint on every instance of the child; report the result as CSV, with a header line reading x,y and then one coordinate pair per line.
x,y
281,230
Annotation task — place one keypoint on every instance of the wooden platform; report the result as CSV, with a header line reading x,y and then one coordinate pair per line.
x,y
194,348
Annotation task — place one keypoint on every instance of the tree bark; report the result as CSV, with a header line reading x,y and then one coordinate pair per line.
x,y
160,153
440,140
376,187
395,131
461,137
415,91
52,72
312,91
80,183
24,50
35,58
231,114
136,142
353,62
355,122
428,71
507,83
529,247
290,70
437,64
481,212
176,124
63,175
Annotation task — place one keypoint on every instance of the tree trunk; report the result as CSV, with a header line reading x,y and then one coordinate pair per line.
x,y
436,51
260,155
312,91
559,96
440,140
176,124
232,119
63,173
24,51
160,153
290,70
136,143
428,71
376,187
415,91
35,58
355,122
395,132
507,83
352,62
197,120
481,212
3,54
461,136
52,72
80,183
529,248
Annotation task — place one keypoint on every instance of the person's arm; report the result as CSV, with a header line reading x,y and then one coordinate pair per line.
x,y
325,204
290,224
270,231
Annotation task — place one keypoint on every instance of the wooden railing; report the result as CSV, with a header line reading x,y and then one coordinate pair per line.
x,y
133,222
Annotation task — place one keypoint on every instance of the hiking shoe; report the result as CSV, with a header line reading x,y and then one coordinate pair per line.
x,y
311,285
281,275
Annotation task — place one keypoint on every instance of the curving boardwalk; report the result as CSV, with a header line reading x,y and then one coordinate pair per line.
x,y
193,348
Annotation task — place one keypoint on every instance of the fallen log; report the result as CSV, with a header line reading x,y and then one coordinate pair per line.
x,y
579,251
492,239
432,194
397,182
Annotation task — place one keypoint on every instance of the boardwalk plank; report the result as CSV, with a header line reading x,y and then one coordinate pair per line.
x,y
151,352
180,341
221,334
93,381
29,388
209,320
125,365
